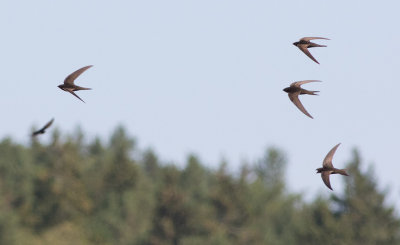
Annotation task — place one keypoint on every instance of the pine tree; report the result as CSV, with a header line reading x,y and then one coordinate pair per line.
x,y
365,217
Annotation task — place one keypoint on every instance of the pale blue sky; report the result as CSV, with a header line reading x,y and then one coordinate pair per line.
x,y
207,77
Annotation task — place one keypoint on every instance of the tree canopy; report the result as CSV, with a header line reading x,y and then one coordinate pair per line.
x,y
77,191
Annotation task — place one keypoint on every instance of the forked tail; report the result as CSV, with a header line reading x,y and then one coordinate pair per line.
x,y
82,88
342,172
313,45
309,92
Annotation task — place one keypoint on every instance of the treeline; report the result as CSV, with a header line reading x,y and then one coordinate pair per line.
x,y
72,191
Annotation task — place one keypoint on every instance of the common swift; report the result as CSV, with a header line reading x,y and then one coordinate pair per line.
x,y
43,130
295,90
69,84
328,169
305,43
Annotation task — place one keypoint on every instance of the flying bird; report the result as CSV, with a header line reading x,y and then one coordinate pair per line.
x,y
69,84
295,90
328,169
305,43
43,130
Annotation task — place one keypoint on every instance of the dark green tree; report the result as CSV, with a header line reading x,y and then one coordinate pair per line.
x,y
364,214
172,214
92,192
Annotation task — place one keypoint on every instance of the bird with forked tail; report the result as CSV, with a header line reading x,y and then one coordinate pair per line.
x,y
304,44
295,90
328,169
69,84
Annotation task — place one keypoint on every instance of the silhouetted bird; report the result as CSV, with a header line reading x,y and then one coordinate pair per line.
x,y
295,90
305,43
69,85
43,130
328,169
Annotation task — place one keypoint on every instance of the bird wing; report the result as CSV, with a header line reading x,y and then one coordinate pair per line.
x,y
328,159
294,97
299,83
72,92
48,124
312,38
71,78
303,47
325,178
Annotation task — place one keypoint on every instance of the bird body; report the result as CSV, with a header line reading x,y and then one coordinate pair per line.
x,y
328,169
295,90
69,84
304,44
72,87
332,171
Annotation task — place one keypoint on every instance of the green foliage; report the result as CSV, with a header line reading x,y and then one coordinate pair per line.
x,y
363,209
359,216
71,191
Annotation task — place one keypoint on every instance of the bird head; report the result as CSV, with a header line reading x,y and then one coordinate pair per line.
x,y
286,89
295,43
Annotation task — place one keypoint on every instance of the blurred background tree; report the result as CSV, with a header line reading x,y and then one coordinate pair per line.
x,y
75,191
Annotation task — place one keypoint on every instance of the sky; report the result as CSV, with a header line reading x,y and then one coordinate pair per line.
x,y
206,77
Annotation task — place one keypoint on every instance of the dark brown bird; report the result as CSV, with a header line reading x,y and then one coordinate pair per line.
x,y
43,130
305,43
328,169
69,84
295,90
